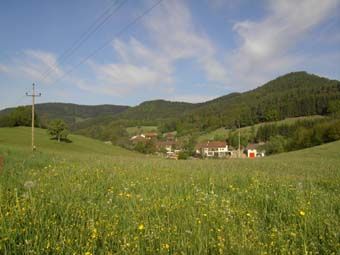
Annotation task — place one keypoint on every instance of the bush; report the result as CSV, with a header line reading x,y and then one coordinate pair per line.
x,y
275,145
183,155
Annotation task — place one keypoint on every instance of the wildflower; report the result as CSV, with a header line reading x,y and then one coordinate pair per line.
x,y
88,253
94,234
141,227
302,213
166,246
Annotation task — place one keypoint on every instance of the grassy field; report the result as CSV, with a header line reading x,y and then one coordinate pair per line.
x,y
21,137
142,129
247,130
84,201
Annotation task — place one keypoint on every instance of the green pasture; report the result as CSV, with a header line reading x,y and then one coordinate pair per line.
x,y
86,197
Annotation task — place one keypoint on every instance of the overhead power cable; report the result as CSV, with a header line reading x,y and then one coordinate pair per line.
x,y
120,32
95,26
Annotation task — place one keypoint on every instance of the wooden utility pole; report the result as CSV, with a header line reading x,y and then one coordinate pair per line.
x,y
33,95
239,139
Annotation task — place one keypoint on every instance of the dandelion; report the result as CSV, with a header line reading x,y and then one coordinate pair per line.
x,y
302,213
166,246
141,227
94,234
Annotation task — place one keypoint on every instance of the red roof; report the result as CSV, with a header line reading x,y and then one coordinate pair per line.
x,y
212,144
165,143
254,146
151,134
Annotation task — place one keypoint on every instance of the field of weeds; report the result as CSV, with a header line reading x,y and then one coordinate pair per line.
x,y
60,203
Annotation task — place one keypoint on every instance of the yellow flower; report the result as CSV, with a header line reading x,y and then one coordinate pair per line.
x,y
94,234
141,227
166,246
88,253
302,213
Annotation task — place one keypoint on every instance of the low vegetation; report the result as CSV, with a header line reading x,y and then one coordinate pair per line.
x,y
90,198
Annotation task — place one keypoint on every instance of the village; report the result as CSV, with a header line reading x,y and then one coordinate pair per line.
x,y
169,146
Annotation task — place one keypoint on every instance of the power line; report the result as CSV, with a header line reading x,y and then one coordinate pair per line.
x,y
99,22
147,11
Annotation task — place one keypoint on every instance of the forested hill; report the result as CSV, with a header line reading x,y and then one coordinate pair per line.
x,y
156,109
73,113
291,95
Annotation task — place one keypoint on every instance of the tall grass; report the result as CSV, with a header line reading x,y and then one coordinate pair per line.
x,y
65,203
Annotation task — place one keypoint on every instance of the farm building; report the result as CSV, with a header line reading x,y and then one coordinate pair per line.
x,y
139,138
171,148
168,146
170,136
143,137
210,149
151,135
253,150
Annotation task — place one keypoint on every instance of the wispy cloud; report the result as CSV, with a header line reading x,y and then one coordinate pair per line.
x,y
33,64
174,38
4,69
266,46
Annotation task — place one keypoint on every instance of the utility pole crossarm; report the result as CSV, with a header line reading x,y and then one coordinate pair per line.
x,y
33,95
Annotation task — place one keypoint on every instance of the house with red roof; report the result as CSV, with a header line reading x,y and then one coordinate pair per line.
x,y
213,149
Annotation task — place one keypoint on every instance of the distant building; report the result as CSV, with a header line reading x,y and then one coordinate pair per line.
x,y
171,148
210,149
170,136
151,135
168,146
251,153
143,137
253,150
139,138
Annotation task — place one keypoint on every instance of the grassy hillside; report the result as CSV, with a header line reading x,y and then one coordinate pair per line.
x,y
85,203
224,132
21,137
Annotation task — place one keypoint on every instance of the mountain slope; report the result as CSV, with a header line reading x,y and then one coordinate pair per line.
x,y
292,95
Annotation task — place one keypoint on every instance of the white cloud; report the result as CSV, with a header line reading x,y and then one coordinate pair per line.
x,y
4,69
34,64
266,45
173,38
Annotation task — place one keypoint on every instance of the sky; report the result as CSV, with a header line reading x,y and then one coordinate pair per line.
x,y
92,52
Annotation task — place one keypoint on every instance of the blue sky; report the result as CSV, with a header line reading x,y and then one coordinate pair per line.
x,y
184,50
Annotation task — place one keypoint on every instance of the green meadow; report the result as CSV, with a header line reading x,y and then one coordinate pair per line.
x,y
87,197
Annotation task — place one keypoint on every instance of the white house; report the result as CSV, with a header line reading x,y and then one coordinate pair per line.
x,y
217,149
